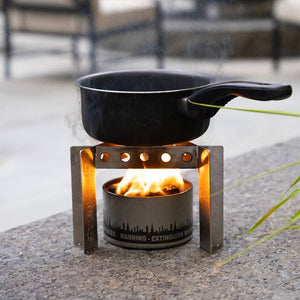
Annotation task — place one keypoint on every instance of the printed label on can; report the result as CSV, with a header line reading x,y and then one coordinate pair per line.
x,y
149,234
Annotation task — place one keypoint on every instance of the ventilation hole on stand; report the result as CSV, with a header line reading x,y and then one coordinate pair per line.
x,y
144,156
104,156
166,157
186,157
125,157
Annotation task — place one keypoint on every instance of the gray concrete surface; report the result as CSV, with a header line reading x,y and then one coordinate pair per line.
x,y
39,261
39,108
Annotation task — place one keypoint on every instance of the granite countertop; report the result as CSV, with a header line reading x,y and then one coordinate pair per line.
x,y
39,260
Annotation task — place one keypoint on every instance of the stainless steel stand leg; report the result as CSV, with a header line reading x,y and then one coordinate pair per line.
x,y
211,198
84,197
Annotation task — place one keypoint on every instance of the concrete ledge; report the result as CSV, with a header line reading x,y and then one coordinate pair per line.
x,y
39,261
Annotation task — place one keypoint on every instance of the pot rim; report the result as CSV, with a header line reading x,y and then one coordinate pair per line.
x,y
80,80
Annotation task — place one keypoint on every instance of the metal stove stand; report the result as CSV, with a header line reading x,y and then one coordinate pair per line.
x,y
207,159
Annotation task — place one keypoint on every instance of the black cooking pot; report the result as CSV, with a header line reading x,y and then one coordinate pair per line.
x,y
151,107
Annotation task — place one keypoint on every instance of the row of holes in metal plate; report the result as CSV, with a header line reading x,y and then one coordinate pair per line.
x,y
144,156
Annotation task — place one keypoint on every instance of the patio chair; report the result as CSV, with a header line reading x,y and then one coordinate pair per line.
x,y
91,19
285,13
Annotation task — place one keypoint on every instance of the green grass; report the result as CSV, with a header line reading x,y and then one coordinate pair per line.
x,y
291,192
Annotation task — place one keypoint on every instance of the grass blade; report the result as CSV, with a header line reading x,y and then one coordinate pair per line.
x,y
283,198
294,227
296,215
273,209
258,176
289,188
272,112
259,242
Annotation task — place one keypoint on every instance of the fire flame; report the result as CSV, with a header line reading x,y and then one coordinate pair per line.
x,y
150,182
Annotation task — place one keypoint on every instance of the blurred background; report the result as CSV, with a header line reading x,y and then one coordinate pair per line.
x,y
46,45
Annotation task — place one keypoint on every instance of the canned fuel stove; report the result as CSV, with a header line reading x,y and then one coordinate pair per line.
x,y
148,222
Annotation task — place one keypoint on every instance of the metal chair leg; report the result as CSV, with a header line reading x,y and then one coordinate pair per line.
x,y
7,41
160,46
93,60
75,53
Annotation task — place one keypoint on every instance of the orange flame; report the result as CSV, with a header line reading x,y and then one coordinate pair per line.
x,y
150,182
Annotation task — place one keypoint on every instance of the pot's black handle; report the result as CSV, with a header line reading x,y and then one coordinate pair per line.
x,y
221,93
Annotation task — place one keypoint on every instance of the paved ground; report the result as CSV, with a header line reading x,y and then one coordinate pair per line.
x,y
39,109
39,260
